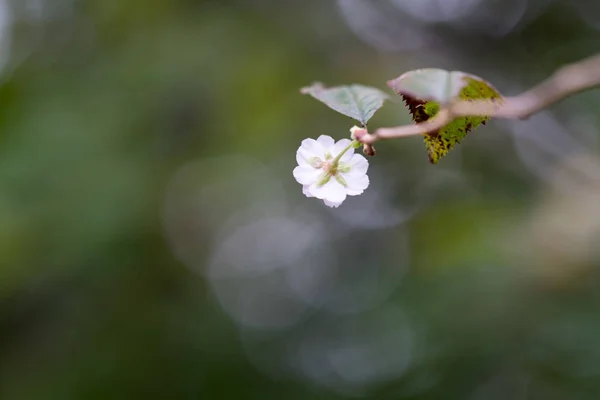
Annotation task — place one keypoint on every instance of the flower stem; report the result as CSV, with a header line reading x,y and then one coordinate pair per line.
x,y
336,160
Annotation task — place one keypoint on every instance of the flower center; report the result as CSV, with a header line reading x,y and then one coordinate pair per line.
x,y
333,166
330,167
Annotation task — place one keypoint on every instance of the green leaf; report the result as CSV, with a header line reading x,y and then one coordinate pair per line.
x,y
425,90
355,101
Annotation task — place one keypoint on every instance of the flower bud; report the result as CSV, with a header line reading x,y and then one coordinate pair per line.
x,y
357,133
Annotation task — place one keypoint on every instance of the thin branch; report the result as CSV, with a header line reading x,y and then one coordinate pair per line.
x,y
568,80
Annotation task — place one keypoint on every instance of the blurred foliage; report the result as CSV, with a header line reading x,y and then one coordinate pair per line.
x,y
475,280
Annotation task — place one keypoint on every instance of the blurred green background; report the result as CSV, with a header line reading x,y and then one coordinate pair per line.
x,y
154,244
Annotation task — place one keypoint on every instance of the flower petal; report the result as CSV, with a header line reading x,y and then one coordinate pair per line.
x,y
327,142
340,146
332,204
306,192
332,191
309,148
359,165
357,184
306,175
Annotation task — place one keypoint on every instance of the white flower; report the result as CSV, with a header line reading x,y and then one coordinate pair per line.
x,y
326,175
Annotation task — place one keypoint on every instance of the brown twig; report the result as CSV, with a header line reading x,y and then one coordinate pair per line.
x,y
568,80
